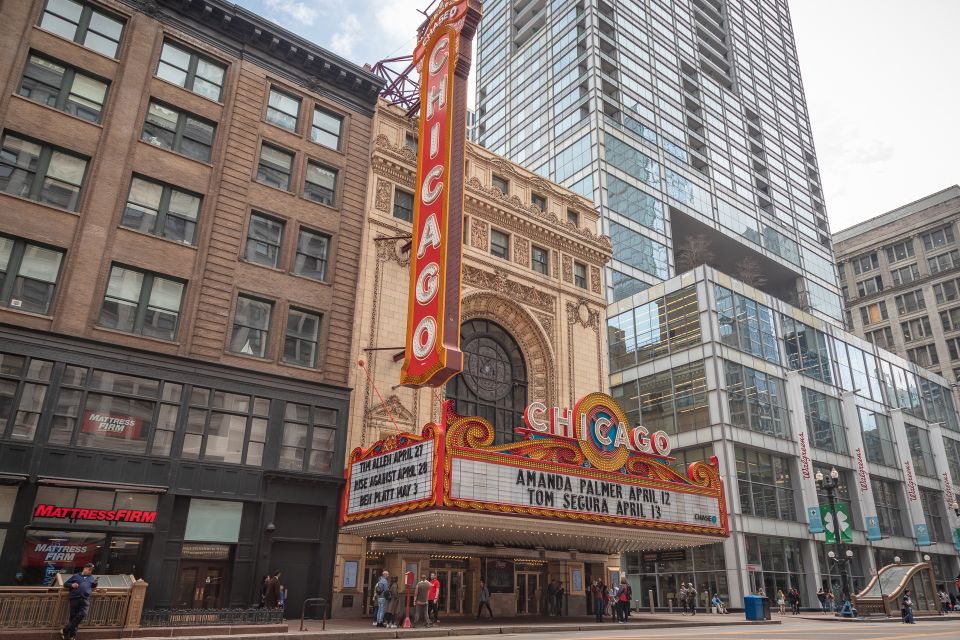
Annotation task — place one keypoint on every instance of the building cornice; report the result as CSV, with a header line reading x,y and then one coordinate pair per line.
x,y
244,34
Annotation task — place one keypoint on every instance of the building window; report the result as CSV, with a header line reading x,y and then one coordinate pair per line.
x,y
937,238
675,400
580,275
178,131
275,167
251,327
28,276
320,184
312,252
403,205
27,380
161,210
916,329
664,325
264,239
746,325
951,449
410,140
878,441
326,128
142,302
538,201
931,502
910,302
500,244
540,260
869,286
500,183
226,427
83,24
873,313
883,338
824,421
888,506
865,263
573,217
40,172
842,491
302,338
764,484
63,87
950,319
944,262
757,401
283,109
905,275
493,384
191,71
947,291
899,251
807,350
925,356
920,452
953,346
309,438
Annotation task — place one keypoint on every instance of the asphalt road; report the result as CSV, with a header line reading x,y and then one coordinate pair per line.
x,y
789,630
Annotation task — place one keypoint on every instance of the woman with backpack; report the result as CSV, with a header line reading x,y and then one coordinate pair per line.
x,y
624,593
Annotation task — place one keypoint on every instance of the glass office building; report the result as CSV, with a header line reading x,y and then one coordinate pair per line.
x,y
685,122
777,394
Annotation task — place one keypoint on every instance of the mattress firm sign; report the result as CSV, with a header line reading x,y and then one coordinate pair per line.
x,y
393,478
543,492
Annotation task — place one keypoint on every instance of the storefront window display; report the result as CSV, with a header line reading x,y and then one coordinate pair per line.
x,y
778,563
664,571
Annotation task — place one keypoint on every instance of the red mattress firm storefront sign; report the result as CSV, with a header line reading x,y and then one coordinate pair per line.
x,y
443,56
95,515
111,425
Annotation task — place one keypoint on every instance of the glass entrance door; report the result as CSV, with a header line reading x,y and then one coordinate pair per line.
x,y
371,576
528,593
451,600
201,585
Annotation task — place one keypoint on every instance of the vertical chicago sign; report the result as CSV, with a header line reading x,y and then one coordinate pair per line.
x,y
443,55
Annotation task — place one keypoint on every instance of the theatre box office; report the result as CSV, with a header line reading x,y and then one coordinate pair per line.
x,y
199,479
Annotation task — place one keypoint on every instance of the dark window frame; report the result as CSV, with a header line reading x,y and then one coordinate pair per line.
x,y
287,336
191,70
284,151
272,306
310,424
207,406
143,301
314,126
539,201
540,266
163,210
323,261
83,26
179,131
278,245
501,251
406,217
11,275
42,168
580,280
287,94
316,188
65,90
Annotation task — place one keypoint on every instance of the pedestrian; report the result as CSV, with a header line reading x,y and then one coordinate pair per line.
x,y
271,595
692,599
393,601
434,609
682,599
79,586
944,602
761,592
598,593
484,600
264,581
796,601
558,598
421,602
906,608
831,602
380,597
822,597
551,597
717,604
623,600
612,602
781,601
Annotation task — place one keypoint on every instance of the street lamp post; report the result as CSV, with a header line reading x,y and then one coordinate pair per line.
x,y
843,556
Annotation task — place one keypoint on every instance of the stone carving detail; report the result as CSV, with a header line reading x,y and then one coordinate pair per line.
x,y
546,321
382,202
556,264
391,406
567,268
521,251
579,312
391,250
595,283
537,350
149,7
479,234
499,282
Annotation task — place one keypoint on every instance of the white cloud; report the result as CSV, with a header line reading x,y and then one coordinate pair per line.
x,y
343,41
299,12
398,22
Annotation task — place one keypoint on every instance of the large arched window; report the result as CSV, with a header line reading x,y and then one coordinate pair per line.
x,y
493,384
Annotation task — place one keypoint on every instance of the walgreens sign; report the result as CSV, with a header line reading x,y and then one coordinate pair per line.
x,y
442,55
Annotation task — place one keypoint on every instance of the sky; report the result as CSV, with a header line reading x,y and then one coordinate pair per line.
x,y
882,80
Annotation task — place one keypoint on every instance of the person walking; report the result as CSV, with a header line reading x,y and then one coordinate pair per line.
x,y
906,608
682,599
558,598
80,586
271,595
624,593
944,602
484,600
598,594
380,595
831,602
421,602
264,581
433,610
393,601
822,597
796,601
781,601
692,598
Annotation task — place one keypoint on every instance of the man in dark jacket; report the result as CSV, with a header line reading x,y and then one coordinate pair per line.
x,y
80,586
271,596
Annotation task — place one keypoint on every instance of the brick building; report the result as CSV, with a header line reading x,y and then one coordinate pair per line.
x,y
533,310
182,193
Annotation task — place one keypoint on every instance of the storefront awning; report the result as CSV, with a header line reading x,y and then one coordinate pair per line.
x,y
444,527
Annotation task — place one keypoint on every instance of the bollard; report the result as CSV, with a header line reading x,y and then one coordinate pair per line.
x,y
670,605
650,597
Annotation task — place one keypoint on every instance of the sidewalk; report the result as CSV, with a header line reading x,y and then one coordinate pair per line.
x,y
354,629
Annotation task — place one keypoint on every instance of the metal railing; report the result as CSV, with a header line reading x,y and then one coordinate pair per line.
x,y
48,607
206,617
320,602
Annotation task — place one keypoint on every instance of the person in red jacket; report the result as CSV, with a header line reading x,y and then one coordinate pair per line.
x,y
434,597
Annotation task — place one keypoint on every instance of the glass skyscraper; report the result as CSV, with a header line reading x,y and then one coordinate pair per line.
x,y
685,122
